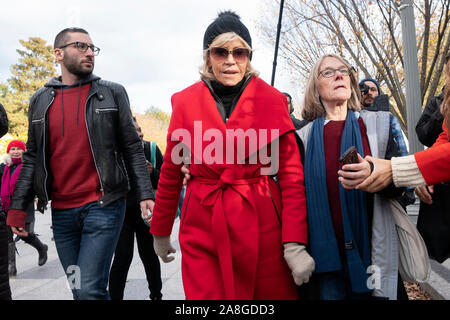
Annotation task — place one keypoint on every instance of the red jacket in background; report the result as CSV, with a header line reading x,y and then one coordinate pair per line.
x,y
434,163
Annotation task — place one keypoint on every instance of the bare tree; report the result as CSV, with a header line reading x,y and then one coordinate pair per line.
x,y
368,34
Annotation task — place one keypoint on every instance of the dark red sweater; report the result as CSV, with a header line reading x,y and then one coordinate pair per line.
x,y
75,178
332,133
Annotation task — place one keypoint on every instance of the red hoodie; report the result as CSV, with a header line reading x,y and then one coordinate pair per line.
x,y
75,178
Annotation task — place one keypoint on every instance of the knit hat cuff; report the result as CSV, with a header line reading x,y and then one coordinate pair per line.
x,y
226,21
17,144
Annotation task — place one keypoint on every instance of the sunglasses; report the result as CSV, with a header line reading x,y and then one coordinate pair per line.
x,y
239,54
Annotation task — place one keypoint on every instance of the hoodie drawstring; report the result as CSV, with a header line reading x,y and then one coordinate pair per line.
x,y
62,110
78,103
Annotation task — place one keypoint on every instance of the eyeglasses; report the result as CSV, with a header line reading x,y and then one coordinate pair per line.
x,y
83,47
328,73
239,54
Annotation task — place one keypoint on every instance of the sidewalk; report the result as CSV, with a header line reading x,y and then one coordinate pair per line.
x,y
49,281
439,284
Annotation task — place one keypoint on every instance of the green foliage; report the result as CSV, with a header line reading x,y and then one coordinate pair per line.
x,y
158,114
35,67
154,124
3,90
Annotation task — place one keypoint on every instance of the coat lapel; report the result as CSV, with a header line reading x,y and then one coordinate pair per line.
x,y
260,113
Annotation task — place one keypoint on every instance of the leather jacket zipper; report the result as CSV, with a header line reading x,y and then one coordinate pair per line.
x,y
117,162
43,152
105,110
92,150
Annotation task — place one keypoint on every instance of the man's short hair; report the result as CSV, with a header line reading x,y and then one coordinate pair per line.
x,y
61,37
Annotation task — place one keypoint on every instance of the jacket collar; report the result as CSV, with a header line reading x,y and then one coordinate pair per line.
x,y
219,103
56,82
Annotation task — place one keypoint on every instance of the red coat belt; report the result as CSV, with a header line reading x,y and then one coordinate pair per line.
x,y
214,198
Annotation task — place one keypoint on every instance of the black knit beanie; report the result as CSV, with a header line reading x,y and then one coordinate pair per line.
x,y
227,21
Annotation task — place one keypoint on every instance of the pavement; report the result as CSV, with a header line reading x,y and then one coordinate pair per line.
x,y
438,286
48,282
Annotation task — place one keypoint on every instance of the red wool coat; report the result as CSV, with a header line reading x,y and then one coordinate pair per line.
x,y
234,219
434,163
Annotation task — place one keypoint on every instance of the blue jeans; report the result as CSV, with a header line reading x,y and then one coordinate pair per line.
x,y
337,286
85,239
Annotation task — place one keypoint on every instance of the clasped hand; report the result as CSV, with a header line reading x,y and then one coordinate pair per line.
x,y
352,175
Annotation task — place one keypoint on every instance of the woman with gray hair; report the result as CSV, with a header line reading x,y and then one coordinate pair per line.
x,y
241,236
350,234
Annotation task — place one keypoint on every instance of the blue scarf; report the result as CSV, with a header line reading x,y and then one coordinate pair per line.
x,y
322,240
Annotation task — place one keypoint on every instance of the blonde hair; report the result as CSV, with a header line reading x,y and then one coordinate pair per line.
x,y
312,106
206,70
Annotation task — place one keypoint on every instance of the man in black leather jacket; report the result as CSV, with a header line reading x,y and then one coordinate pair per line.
x,y
83,153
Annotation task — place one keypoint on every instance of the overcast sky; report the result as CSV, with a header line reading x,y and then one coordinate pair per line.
x,y
153,48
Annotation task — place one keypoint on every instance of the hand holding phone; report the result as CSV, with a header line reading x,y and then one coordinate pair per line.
x,y
356,170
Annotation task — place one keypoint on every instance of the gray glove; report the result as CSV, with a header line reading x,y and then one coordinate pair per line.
x,y
299,261
163,248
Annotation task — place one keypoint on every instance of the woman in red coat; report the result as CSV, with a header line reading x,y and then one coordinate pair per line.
x,y
236,224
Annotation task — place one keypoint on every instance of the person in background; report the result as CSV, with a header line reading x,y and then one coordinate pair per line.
x,y
296,122
133,224
241,236
429,126
5,290
433,222
9,173
373,100
428,167
3,121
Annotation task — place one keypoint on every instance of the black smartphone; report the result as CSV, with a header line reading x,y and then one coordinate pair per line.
x,y
349,156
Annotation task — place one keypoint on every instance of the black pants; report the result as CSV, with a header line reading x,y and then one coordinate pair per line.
x,y
5,291
133,224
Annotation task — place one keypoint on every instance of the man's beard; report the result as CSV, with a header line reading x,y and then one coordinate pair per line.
x,y
366,104
74,67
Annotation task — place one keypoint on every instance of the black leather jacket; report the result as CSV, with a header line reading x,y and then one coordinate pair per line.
x,y
116,148
429,126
